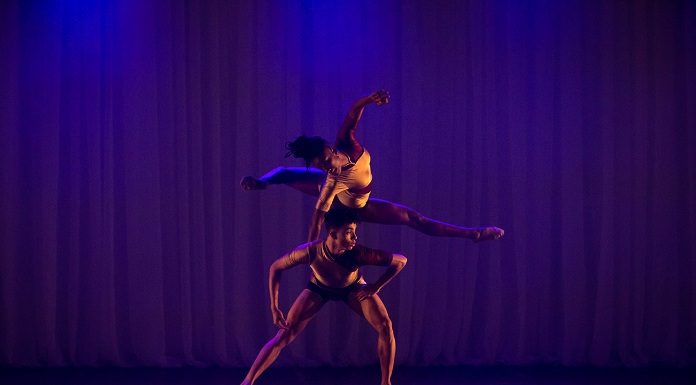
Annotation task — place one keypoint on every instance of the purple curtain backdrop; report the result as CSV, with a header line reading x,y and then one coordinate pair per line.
x,y
126,126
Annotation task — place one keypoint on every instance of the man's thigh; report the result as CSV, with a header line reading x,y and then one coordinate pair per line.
x,y
306,306
372,309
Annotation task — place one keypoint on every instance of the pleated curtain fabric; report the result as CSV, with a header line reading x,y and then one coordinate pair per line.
x,y
126,126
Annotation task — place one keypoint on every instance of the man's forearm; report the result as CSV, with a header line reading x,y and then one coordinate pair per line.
x,y
398,263
388,275
274,286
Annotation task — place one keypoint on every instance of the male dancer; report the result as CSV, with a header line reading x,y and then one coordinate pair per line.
x,y
335,263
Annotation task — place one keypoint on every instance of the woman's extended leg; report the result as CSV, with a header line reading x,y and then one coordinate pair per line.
x,y
385,212
302,311
307,180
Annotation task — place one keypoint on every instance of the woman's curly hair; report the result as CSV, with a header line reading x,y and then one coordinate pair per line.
x,y
306,147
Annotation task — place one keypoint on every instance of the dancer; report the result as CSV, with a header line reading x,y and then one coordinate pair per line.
x,y
347,176
335,264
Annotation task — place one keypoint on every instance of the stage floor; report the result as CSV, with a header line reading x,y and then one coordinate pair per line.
x,y
354,376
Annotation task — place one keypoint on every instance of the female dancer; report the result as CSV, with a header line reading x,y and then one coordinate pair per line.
x,y
348,177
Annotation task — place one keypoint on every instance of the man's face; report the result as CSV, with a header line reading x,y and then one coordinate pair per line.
x,y
346,236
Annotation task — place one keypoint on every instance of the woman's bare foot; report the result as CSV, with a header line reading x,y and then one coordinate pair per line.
x,y
249,183
489,234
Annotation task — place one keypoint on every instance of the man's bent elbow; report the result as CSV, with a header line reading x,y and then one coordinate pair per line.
x,y
399,260
276,267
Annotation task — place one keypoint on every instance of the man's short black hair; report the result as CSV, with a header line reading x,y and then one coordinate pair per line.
x,y
340,216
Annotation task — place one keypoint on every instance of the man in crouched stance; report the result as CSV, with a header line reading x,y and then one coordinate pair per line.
x,y
335,263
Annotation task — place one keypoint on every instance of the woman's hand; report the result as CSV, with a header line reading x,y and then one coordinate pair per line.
x,y
279,318
379,97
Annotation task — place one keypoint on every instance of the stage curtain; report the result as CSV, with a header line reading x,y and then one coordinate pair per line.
x,y
126,126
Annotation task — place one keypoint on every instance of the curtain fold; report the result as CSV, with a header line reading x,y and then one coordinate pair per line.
x,y
126,127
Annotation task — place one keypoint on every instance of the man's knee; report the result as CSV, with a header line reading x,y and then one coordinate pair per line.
x,y
385,329
285,337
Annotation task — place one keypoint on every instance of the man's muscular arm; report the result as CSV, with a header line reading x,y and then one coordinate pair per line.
x,y
298,256
398,262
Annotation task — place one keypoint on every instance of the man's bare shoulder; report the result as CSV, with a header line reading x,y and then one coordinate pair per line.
x,y
308,249
308,245
302,254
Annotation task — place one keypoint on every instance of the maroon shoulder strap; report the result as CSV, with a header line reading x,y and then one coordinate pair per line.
x,y
351,148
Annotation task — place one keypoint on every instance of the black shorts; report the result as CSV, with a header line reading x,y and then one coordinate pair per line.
x,y
332,293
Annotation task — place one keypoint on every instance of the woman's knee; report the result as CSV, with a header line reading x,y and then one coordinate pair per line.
x,y
280,170
416,219
285,175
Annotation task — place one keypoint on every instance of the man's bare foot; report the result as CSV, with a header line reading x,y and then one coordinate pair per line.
x,y
489,233
249,183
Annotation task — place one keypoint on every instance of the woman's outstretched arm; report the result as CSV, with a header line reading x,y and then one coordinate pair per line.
x,y
315,225
350,124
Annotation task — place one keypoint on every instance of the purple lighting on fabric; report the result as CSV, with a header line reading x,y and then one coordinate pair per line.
x,y
126,127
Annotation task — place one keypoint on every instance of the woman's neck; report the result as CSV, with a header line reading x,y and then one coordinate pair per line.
x,y
344,160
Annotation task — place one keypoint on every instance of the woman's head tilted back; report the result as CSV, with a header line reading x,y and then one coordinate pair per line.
x,y
309,148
